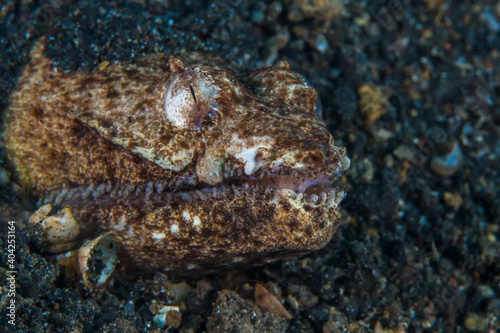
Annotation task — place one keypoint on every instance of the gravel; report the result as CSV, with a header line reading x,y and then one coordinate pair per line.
x,y
418,250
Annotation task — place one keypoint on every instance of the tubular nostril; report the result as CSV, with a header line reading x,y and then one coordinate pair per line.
x,y
262,155
313,158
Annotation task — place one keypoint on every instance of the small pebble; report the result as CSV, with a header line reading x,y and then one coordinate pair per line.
x,y
321,43
403,152
4,176
168,316
362,171
453,200
491,22
388,161
473,322
269,303
374,102
319,9
383,135
447,165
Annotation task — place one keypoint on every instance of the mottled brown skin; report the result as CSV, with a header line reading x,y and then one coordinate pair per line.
x,y
189,165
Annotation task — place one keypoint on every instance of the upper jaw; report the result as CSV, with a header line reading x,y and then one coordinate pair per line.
x,y
288,171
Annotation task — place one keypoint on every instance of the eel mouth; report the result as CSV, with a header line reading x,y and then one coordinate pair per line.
x,y
315,191
296,184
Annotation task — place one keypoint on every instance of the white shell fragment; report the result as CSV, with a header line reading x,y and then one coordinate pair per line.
x,y
40,215
92,264
97,260
165,314
58,232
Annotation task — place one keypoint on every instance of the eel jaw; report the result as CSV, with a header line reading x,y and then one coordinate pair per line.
x,y
316,190
204,230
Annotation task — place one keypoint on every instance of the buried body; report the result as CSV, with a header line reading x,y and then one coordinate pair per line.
x,y
185,164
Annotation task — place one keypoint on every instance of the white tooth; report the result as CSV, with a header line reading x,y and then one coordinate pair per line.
x,y
88,191
71,193
322,197
61,196
300,196
184,195
120,190
149,191
305,198
160,186
293,194
129,190
50,198
313,198
179,182
76,194
340,196
138,190
332,199
202,195
99,191
236,191
114,193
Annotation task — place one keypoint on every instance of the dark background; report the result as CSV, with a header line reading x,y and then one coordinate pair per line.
x,y
411,88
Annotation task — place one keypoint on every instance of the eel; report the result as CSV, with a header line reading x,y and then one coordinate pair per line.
x,y
187,163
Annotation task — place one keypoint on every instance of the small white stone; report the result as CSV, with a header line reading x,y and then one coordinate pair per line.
x,y
158,236
161,316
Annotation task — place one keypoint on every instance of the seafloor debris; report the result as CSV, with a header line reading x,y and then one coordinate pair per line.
x,y
403,256
268,302
321,10
374,102
447,165
231,313
168,316
55,233
94,262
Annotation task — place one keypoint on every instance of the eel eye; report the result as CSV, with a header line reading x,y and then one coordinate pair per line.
x,y
193,94
190,99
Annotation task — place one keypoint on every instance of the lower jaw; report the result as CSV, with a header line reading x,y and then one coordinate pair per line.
x,y
211,229
226,228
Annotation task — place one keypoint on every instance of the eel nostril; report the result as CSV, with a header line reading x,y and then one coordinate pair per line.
x,y
313,158
262,155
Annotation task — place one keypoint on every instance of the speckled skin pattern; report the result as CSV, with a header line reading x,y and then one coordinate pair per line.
x,y
189,165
